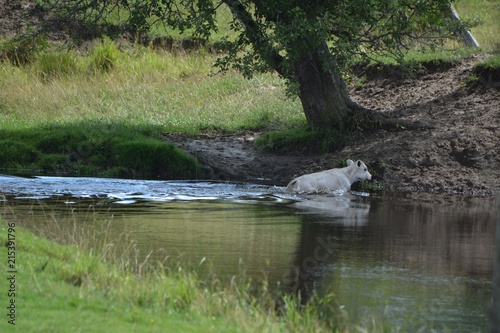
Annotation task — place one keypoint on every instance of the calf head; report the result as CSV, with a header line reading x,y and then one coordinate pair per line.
x,y
360,170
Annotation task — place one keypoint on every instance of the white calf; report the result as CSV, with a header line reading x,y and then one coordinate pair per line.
x,y
331,180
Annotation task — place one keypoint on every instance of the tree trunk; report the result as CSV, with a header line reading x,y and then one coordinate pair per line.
x,y
321,88
322,91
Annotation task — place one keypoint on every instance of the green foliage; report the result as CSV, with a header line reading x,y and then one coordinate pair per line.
x,y
155,158
302,140
104,55
492,63
95,149
471,79
57,64
281,32
15,153
371,186
22,49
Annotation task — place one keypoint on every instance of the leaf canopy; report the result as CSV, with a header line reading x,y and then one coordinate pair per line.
x,y
271,35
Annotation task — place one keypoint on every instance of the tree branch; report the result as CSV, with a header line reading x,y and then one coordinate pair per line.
x,y
256,36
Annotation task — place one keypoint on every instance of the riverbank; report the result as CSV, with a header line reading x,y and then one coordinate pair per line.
x,y
63,116
455,151
88,111
66,127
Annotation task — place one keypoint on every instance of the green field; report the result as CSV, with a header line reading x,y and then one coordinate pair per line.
x,y
59,113
142,86
487,13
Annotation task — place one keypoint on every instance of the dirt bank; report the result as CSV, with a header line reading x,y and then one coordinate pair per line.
x,y
460,154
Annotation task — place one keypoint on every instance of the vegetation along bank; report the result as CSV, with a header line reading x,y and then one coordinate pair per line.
x,y
93,105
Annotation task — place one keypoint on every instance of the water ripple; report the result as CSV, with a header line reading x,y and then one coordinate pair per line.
x,y
127,191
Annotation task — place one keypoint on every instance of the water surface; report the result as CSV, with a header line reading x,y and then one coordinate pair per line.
x,y
414,261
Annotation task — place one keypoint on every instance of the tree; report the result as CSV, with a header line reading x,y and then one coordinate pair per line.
x,y
307,42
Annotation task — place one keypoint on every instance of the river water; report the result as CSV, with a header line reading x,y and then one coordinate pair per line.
x,y
413,261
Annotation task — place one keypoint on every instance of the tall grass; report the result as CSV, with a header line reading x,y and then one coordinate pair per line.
x,y
137,85
56,65
104,55
486,12
103,110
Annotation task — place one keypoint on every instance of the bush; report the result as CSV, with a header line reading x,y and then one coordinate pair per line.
x,y
23,49
93,148
104,56
156,159
56,64
15,153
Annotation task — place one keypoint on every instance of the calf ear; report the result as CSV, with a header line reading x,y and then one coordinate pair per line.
x,y
358,162
349,162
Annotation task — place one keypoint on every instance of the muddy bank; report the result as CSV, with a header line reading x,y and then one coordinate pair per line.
x,y
459,154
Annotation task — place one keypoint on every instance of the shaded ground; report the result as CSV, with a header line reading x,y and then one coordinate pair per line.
x,y
460,154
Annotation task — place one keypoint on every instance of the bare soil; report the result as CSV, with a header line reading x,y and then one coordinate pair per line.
x,y
458,154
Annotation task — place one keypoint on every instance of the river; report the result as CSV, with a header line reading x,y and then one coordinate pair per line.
x,y
413,261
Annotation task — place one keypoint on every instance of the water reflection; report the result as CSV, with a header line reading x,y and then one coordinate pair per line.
x,y
453,235
347,209
324,219
232,239
400,252
417,261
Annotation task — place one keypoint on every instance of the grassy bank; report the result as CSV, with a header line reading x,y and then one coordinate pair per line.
x,y
486,13
89,113
141,86
60,288
94,148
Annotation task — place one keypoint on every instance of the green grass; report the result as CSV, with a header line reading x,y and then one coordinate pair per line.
x,y
159,88
94,148
414,62
67,288
487,12
89,113
122,90
302,140
491,63
486,74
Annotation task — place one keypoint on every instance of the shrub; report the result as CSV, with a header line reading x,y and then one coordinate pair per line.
x,y
56,64
156,159
104,56
22,49
15,153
